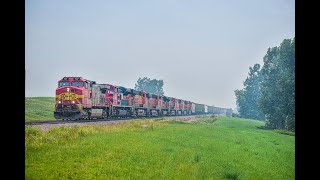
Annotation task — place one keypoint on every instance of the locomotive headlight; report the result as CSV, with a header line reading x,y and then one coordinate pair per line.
x,y
72,102
59,102
68,89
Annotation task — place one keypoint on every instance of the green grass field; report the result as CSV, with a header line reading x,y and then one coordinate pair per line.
x,y
228,148
39,108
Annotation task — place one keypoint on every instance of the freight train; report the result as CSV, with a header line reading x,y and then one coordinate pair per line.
x,y
79,98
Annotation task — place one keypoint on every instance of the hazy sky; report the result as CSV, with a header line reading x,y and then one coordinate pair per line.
x,y
202,49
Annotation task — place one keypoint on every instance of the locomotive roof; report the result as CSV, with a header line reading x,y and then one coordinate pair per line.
x,y
76,78
93,82
72,77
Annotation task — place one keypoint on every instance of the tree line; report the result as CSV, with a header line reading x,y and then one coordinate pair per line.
x,y
269,91
153,86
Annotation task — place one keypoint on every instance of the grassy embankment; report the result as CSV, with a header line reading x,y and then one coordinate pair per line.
x,y
228,148
39,108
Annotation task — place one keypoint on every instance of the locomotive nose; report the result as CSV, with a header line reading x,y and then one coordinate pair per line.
x,y
67,95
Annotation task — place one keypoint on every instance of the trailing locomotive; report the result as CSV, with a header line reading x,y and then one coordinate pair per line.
x,y
78,98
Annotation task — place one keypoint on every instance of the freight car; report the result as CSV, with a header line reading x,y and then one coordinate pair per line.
x,y
210,109
199,108
79,98
229,112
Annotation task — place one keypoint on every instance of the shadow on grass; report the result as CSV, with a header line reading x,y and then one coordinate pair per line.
x,y
231,174
177,122
280,131
262,127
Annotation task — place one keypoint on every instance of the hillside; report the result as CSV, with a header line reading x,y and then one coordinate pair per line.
x,y
223,148
39,108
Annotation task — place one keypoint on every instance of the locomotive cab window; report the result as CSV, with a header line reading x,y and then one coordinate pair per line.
x,y
64,83
77,83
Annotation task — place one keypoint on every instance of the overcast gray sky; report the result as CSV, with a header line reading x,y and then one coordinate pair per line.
x,y
202,49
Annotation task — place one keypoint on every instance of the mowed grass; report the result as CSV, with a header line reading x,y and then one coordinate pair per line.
x,y
228,148
39,108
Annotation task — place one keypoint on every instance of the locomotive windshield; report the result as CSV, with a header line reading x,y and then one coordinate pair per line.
x,y
64,83
77,83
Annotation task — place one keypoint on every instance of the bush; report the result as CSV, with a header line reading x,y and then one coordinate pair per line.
x,y
235,115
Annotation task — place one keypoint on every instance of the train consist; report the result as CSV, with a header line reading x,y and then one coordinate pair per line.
x,y
78,98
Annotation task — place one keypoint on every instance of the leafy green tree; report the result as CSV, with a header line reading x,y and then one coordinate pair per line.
x,y
150,85
278,88
247,98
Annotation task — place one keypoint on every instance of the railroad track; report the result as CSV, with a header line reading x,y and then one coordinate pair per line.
x,y
111,120
40,122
